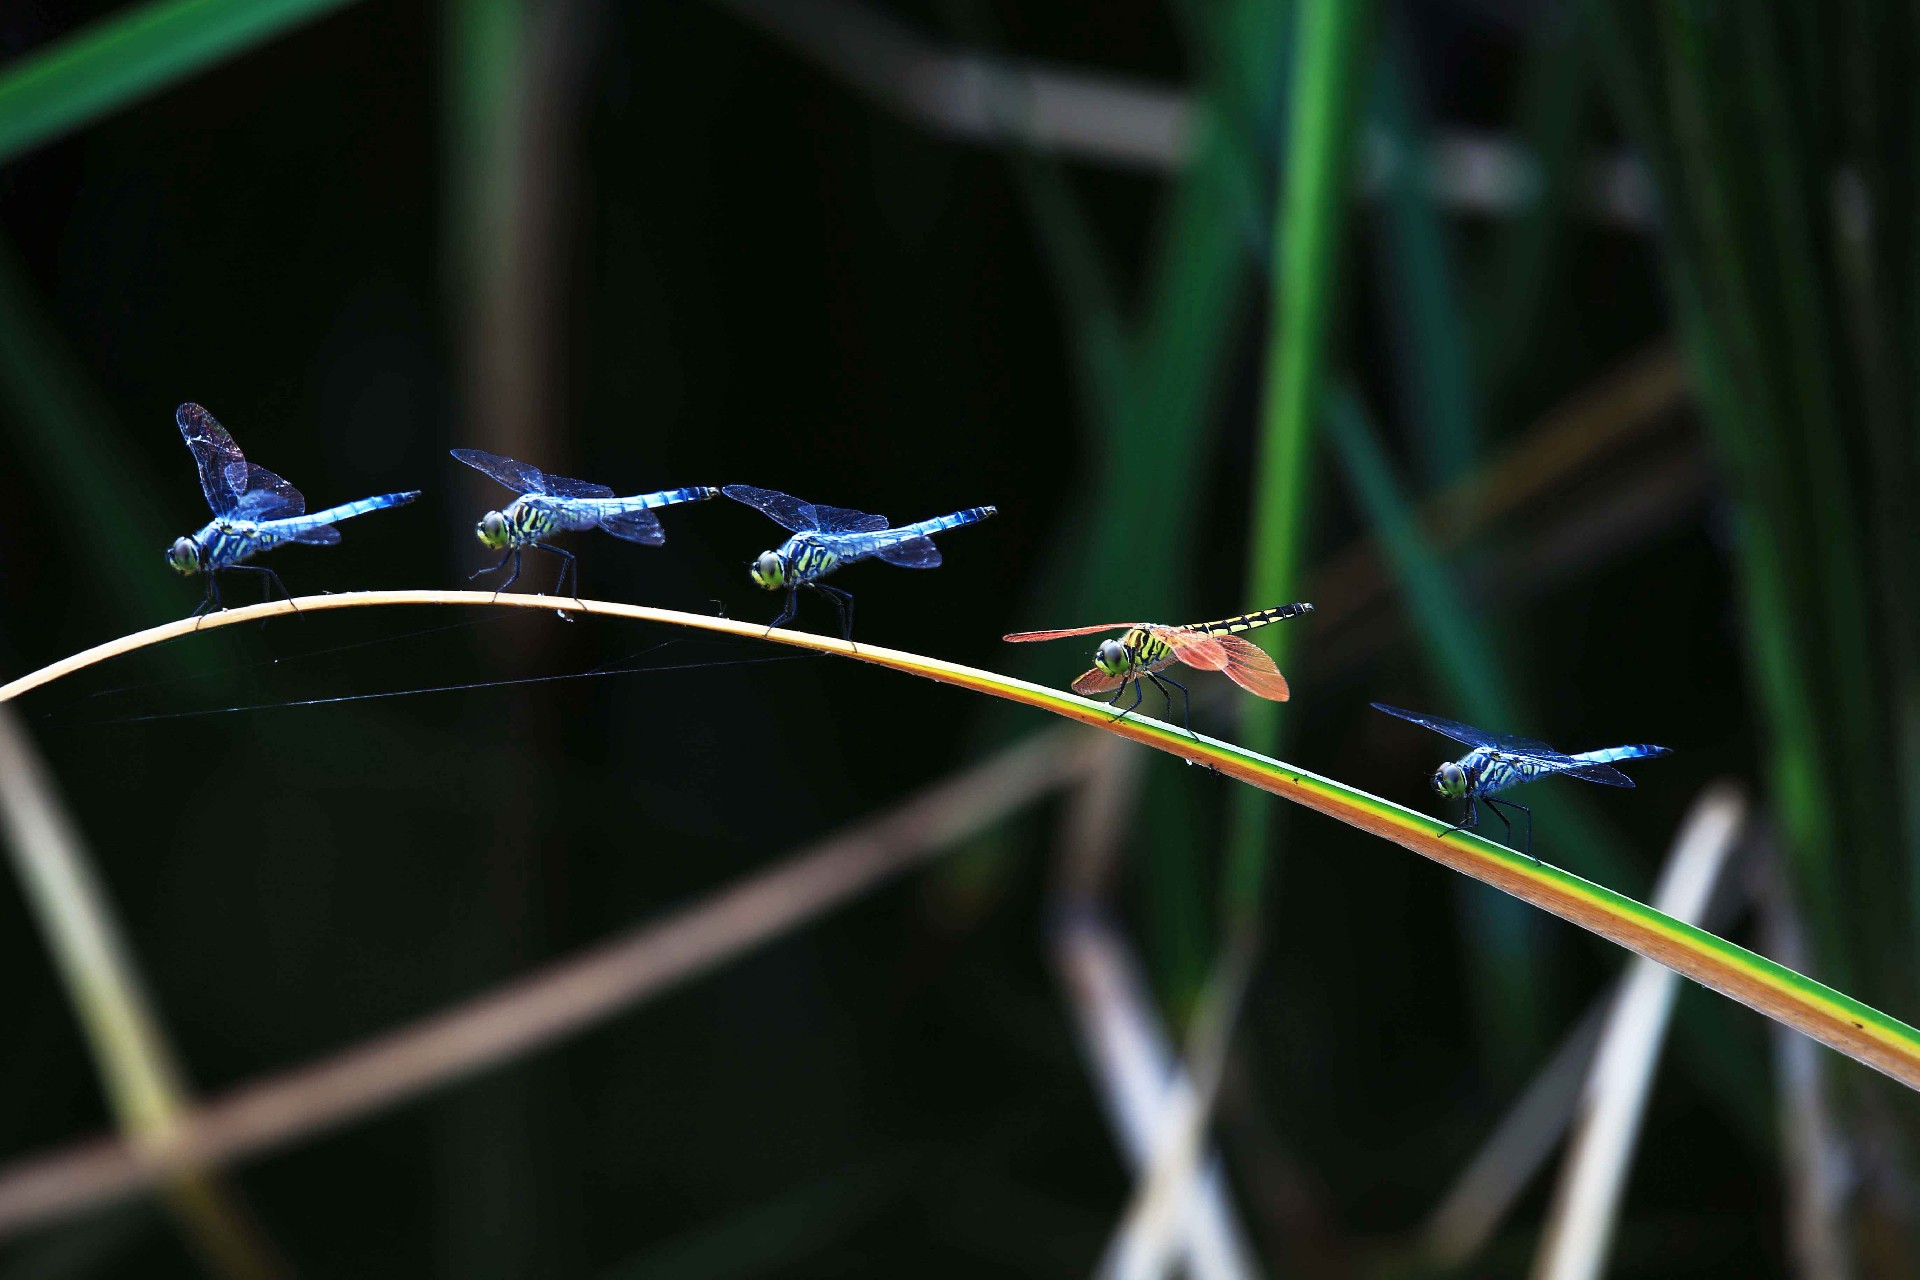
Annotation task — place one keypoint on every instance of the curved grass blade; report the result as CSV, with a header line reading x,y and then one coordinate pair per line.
x,y
1836,1020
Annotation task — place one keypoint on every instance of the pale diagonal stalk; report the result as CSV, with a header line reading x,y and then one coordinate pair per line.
x,y
129,55
1330,53
1586,1202
143,1083
1862,1033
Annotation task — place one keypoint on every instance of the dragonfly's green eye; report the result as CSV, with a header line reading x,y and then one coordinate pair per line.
x,y
1450,780
492,530
183,556
1111,657
768,571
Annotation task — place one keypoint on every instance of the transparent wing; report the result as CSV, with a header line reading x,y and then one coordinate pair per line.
x,y
847,520
1021,637
565,487
267,497
783,509
1480,737
1593,771
320,535
517,476
914,553
1095,681
635,526
223,468
1249,667
1196,649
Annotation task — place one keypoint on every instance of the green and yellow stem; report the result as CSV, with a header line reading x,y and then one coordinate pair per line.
x,y
1835,1020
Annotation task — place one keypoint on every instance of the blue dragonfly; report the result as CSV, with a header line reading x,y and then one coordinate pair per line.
x,y
1499,761
254,510
825,538
554,504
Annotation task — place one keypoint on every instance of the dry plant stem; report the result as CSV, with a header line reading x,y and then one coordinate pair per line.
x,y
1836,1020
1143,1247
136,1064
553,1002
1141,1080
1586,1203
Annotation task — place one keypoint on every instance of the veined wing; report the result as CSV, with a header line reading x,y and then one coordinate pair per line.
x,y
1249,667
1473,737
638,525
913,553
1021,637
223,468
791,513
319,535
1093,681
268,497
524,477
1592,770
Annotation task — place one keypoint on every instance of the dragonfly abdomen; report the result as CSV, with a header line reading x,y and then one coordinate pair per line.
x,y
972,515
1635,751
1248,621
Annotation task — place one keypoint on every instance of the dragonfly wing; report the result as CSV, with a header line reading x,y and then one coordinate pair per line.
x,y
517,476
319,535
1249,667
847,520
1095,681
268,497
223,468
1476,737
635,526
1021,637
1593,771
566,487
914,553
1196,649
783,509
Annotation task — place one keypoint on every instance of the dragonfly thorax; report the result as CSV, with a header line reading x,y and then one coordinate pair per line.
x,y
1113,658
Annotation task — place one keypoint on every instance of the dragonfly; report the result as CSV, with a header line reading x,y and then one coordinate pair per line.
x,y
555,504
254,510
1143,654
825,538
1499,761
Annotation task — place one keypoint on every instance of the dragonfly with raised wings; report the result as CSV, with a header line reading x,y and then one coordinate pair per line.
x,y
548,505
1499,761
827,538
1147,649
254,510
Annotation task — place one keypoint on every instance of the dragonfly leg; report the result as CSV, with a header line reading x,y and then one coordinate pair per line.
x,y
273,580
791,607
211,600
1527,844
513,554
843,605
1186,703
568,563
1469,819
1132,706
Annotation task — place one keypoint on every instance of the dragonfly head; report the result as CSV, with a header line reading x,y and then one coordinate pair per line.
x,y
1450,780
492,531
769,571
184,556
1111,657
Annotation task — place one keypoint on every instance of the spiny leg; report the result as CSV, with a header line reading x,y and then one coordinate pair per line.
x,y
273,581
568,563
211,600
1469,819
1132,706
512,553
1527,844
1493,807
1186,703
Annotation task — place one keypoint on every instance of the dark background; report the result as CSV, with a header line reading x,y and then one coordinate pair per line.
x,y
746,271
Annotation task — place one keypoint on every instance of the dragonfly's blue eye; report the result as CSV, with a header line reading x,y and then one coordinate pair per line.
x,y
183,556
1111,657
768,571
492,530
